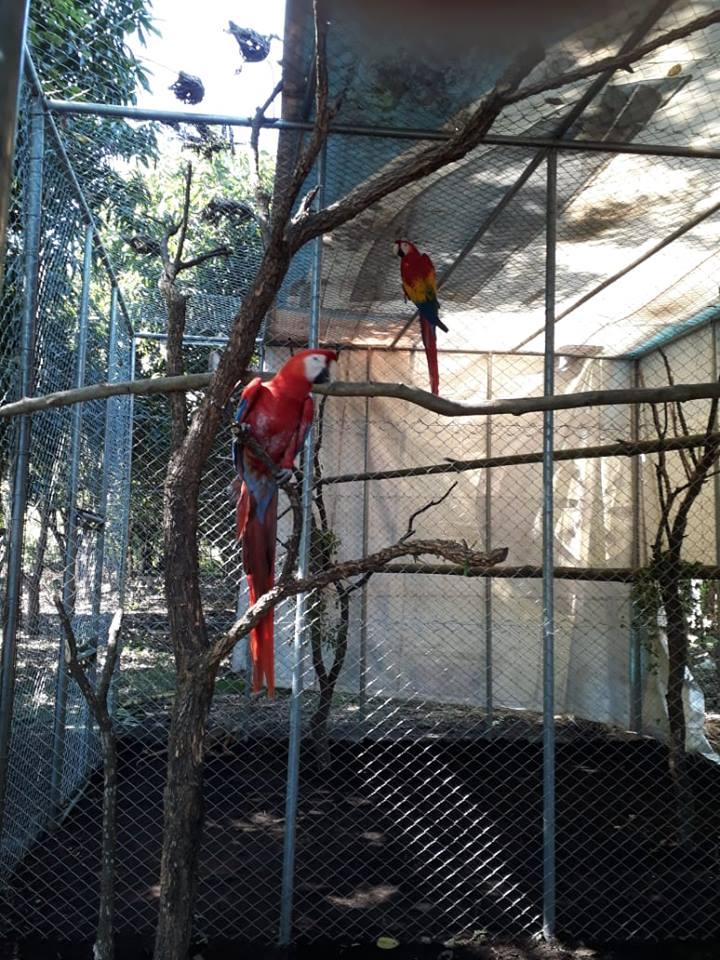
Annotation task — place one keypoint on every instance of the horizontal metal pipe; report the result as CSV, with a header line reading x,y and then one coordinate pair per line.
x,y
396,133
209,341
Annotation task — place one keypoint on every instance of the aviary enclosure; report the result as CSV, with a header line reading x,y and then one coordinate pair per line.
x,y
456,749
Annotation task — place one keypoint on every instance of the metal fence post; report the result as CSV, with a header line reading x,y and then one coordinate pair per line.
x,y
487,584
13,593
636,625
105,483
124,506
127,480
362,681
301,612
13,27
548,564
68,586
715,350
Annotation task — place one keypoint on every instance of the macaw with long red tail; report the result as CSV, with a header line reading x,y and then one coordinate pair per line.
x,y
277,414
420,285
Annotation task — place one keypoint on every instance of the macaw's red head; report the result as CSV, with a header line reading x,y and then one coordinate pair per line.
x,y
404,247
313,366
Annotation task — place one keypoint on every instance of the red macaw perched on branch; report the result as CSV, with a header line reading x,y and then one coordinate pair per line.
x,y
420,285
277,414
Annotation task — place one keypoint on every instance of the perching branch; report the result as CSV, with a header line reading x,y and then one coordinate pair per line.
x,y
97,700
621,448
517,406
451,550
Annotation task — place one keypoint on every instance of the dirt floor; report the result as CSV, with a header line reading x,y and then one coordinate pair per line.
x,y
137,949
435,843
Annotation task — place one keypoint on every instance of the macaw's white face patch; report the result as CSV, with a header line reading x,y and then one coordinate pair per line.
x,y
317,368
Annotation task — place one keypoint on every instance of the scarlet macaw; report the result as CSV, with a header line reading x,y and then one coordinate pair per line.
x,y
277,414
420,285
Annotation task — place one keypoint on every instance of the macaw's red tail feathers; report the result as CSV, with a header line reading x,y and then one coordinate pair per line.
x,y
430,344
262,655
259,562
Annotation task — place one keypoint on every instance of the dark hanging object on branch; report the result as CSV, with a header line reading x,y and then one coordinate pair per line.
x,y
188,88
254,47
220,207
143,244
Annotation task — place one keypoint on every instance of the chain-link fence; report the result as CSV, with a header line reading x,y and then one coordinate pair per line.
x,y
451,752
68,487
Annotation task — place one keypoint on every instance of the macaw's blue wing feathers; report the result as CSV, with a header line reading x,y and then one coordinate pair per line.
x,y
277,415
419,283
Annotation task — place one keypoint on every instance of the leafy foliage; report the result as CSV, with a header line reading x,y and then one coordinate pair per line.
x,y
79,48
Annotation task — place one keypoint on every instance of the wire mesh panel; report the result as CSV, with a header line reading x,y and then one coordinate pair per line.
x,y
73,529
400,780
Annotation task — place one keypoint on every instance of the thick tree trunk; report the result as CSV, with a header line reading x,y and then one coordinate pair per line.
x,y
177,316
182,826
328,679
669,580
194,686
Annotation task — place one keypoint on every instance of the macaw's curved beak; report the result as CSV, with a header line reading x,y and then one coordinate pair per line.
x,y
324,375
398,250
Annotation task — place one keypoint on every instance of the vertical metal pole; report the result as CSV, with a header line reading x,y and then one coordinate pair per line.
x,y
127,481
124,519
109,448
13,27
13,590
716,479
487,583
636,624
365,539
301,612
68,587
548,564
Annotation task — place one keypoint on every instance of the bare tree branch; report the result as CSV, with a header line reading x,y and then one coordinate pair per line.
x,y
111,655
614,62
678,414
451,550
411,165
621,448
97,701
183,220
323,115
221,251
517,406
261,213
433,503
71,658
